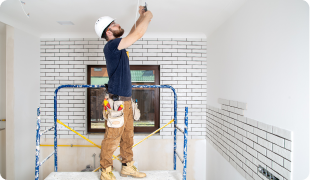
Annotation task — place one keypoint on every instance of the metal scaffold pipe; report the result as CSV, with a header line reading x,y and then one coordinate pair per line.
x,y
185,132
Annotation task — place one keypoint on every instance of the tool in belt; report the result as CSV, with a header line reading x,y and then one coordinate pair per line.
x,y
115,97
107,108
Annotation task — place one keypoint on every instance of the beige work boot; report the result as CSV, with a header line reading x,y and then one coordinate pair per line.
x,y
131,170
107,174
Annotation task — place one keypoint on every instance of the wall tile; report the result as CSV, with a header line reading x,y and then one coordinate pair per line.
x,y
265,127
281,132
288,145
233,103
275,139
282,152
276,158
64,61
248,142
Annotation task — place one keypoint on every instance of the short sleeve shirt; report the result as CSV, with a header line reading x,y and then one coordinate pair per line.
x,y
118,69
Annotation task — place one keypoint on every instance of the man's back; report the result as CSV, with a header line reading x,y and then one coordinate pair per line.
x,y
118,69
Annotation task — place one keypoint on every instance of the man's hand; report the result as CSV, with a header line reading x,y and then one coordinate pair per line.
x,y
141,10
148,14
137,32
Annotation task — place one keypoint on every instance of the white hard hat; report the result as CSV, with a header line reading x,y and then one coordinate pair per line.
x,y
102,23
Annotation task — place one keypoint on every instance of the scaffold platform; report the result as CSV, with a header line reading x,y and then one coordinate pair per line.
x,y
150,175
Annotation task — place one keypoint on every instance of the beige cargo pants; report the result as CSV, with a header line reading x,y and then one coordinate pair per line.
x,y
114,137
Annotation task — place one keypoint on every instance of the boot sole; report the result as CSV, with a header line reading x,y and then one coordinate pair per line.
x,y
124,175
101,177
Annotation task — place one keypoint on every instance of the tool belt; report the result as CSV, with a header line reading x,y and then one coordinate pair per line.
x,y
119,98
113,110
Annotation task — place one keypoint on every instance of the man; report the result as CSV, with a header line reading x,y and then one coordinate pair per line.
x,y
120,88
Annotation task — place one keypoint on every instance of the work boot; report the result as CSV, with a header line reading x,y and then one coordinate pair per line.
x,y
107,174
131,170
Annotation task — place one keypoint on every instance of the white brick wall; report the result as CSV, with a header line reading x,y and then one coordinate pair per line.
x,y
182,65
247,143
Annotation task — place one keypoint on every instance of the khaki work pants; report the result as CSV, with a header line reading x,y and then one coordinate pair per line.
x,y
114,137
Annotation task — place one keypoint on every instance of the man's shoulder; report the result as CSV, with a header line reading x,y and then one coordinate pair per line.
x,y
114,40
112,44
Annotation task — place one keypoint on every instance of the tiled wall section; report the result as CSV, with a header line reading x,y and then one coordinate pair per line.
x,y
247,143
182,65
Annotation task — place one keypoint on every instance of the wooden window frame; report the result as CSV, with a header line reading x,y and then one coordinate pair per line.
x,y
156,68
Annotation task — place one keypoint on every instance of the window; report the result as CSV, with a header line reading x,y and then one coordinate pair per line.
x,y
147,98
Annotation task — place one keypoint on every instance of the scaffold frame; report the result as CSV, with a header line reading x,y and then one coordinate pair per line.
x,y
38,134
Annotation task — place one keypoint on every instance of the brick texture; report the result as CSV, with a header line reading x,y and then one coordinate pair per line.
x,y
182,65
247,143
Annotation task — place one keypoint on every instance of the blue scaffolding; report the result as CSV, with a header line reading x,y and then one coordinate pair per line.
x,y
38,134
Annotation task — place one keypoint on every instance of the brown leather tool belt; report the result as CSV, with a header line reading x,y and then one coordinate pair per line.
x,y
120,98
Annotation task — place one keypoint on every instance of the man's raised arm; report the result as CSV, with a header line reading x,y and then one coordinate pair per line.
x,y
137,33
141,11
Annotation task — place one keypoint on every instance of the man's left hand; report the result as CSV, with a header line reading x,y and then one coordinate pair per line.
x,y
141,10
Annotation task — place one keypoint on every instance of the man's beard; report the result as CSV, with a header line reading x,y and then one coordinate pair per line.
x,y
118,33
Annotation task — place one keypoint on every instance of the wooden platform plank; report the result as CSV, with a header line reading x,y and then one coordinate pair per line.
x,y
150,175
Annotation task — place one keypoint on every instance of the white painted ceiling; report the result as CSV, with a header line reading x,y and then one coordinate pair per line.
x,y
169,16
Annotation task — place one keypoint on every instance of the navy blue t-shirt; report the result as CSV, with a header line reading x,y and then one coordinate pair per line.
x,y
118,69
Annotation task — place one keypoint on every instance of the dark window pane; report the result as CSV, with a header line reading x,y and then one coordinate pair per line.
x,y
148,98
96,99
99,76
146,104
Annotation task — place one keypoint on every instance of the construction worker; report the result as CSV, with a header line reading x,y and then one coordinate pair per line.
x,y
120,89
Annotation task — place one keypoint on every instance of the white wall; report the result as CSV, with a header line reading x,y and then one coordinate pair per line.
x,y
260,56
2,98
2,70
24,92
27,99
218,168
9,102
2,154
